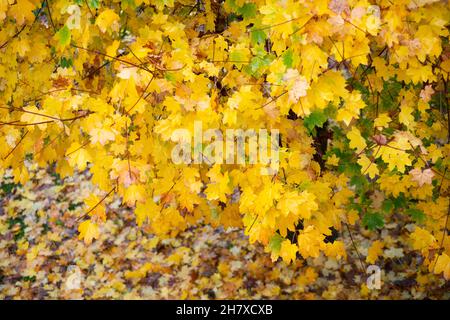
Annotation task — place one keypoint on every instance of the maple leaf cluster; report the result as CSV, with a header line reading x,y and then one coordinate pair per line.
x,y
359,91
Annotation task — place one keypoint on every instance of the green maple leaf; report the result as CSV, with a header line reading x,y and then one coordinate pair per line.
x,y
63,35
258,36
373,221
275,242
288,58
248,10
416,214
315,119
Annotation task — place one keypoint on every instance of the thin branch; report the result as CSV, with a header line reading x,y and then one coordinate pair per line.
x,y
87,4
361,261
272,100
140,97
45,116
98,203
50,16
14,36
113,58
17,144
23,27
77,149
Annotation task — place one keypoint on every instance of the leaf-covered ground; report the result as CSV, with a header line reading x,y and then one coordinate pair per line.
x,y
42,258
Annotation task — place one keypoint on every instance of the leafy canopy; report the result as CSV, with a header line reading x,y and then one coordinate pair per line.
x,y
358,89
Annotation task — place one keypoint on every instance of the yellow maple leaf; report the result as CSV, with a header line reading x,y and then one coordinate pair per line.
x,y
78,156
335,250
134,193
356,140
22,11
108,19
367,166
288,251
443,266
102,135
88,231
145,211
382,120
353,105
333,160
375,250
352,217
32,115
112,49
405,116
95,207
309,242
307,277
422,239
302,204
